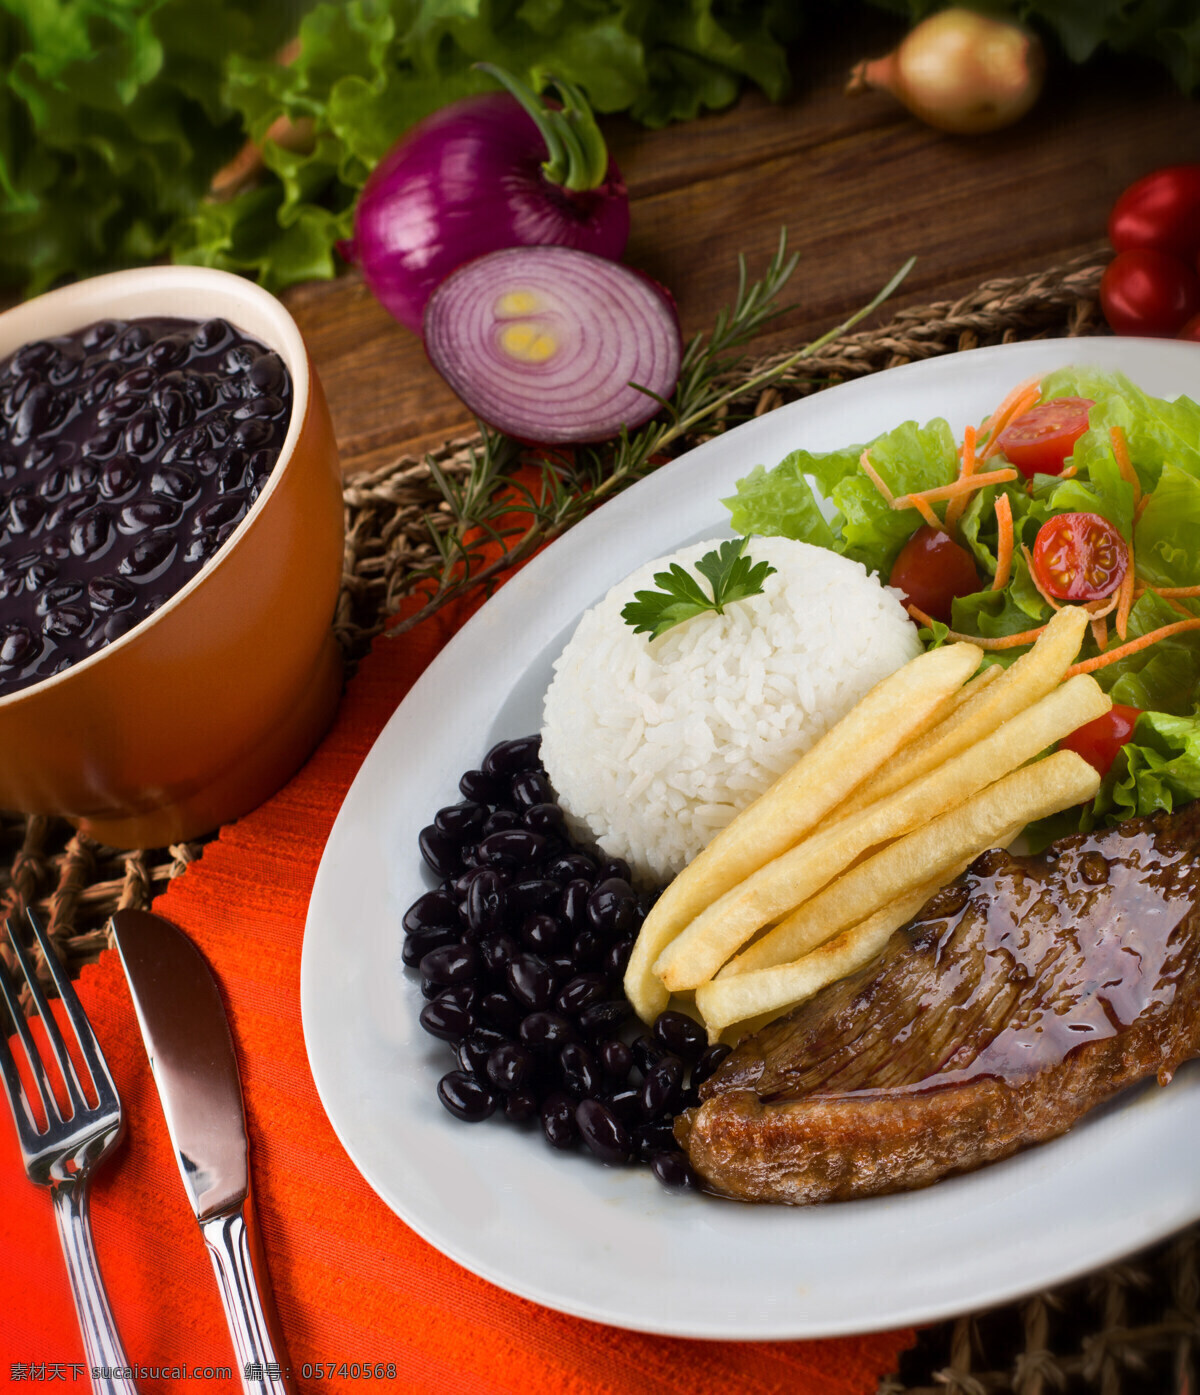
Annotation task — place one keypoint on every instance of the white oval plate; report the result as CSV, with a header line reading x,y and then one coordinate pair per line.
x,y
611,1244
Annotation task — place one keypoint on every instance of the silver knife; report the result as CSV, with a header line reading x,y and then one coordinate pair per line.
x,y
191,1053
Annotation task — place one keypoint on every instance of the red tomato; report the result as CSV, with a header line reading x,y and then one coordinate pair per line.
x,y
1079,557
1099,741
1191,330
1039,441
1161,210
1145,291
931,570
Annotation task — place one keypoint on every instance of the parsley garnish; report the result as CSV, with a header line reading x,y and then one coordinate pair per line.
x,y
733,578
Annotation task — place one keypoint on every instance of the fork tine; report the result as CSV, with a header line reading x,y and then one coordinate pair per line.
x,y
53,1036
89,1046
12,1080
14,1087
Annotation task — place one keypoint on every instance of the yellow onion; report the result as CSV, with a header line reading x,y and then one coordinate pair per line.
x,y
960,71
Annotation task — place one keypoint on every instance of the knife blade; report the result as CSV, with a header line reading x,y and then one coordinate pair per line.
x,y
190,1046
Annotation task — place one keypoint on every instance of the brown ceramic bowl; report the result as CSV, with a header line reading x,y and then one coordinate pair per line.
x,y
203,710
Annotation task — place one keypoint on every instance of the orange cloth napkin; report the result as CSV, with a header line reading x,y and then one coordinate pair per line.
x,y
355,1287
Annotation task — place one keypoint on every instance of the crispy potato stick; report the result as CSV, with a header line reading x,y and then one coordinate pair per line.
x,y
771,991
698,952
1032,676
895,709
930,853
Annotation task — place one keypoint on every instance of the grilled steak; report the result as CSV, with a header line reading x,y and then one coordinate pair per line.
x,y
1025,993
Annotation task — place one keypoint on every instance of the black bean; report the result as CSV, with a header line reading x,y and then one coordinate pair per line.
x,y
451,964
418,943
65,621
141,515
581,992
501,819
626,1104
511,757
615,867
444,1018
473,1051
673,1170
662,1087
530,980
498,1009
680,1034
148,559
510,1067
211,335
562,966
520,1106
546,1032
484,906
26,512
512,847
540,932
616,957
440,853
658,1136
167,353
141,435
572,905
429,989
612,907
570,867
268,374
250,435
41,411
588,949
460,821
558,1120
496,950
118,478
466,1097
99,334
466,995
461,884
482,788
603,1132
433,908
646,1053
17,647
616,1060
578,1070
175,482
530,787
264,408
709,1061
229,509
601,1018
548,819
530,894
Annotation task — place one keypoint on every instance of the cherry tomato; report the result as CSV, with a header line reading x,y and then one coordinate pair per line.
x,y
1191,330
1160,210
1039,441
1099,741
1145,291
931,570
1079,557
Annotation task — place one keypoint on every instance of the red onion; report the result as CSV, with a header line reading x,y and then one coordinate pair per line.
x,y
483,173
544,342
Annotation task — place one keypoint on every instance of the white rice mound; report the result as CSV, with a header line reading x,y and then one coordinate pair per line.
x,y
654,746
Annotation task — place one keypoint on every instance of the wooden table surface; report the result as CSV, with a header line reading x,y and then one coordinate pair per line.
x,y
860,186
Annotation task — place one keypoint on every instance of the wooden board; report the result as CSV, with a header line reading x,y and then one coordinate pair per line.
x,y
859,185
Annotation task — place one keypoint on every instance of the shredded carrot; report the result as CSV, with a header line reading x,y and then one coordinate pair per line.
x,y
963,485
1124,464
1068,473
1033,576
1166,592
1139,509
926,511
1003,642
1104,606
874,476
1134,646
1125,598
966,468
1180,609
1100,634
1004,543
1018,401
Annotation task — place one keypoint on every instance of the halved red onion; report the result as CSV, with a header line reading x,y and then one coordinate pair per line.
x,y
543,343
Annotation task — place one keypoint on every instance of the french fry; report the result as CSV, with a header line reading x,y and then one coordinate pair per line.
x,y
894,711
699,951
1032,676
765,993
934,851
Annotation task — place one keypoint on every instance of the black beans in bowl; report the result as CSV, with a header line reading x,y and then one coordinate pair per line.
x,y
521,951
129,453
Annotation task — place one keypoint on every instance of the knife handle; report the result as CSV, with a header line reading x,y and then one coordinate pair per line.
x,y
241,1268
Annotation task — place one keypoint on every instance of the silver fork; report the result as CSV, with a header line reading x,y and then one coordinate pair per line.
x,y
63,1155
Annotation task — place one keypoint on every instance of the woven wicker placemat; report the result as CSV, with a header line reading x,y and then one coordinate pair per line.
x,y
1127,1329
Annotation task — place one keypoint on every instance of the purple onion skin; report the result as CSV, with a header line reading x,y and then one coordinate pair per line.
x,y
466,181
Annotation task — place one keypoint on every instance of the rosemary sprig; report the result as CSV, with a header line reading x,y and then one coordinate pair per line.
x,y
494,507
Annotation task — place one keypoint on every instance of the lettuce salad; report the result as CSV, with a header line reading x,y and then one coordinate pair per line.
x,y
1159,767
